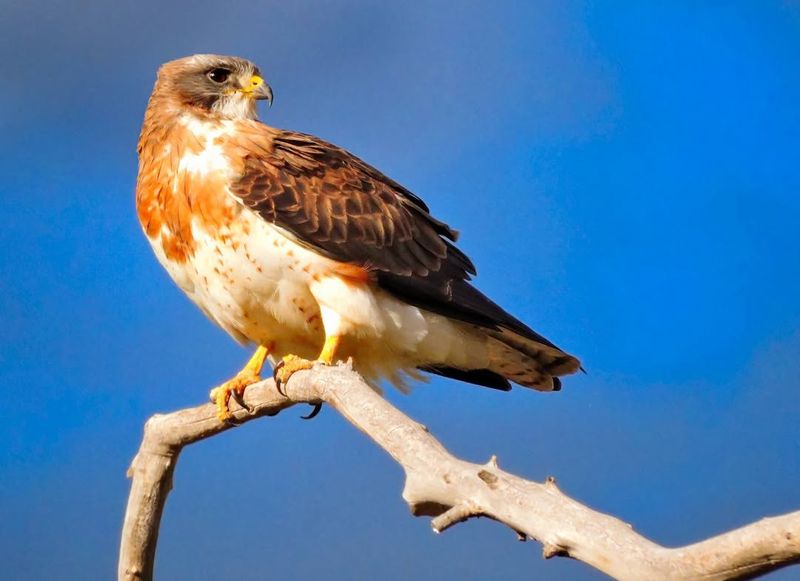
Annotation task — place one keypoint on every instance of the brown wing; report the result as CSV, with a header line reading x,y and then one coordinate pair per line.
x,y
334,202
342,207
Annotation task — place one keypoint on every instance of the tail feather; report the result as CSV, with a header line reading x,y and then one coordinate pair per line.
x,y
549,359
518,353
526,361
518,366
495,357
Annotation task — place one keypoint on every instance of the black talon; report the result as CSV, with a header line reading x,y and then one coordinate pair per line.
x,y
238,398
313,413
275,370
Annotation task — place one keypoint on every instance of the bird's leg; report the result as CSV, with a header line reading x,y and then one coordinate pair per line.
x,y
249,375
291,363
328,353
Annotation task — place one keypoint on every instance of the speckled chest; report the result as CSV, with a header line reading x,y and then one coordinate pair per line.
x,y
246,274
252,280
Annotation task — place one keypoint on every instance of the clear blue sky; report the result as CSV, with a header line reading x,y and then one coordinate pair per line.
x,y
624,174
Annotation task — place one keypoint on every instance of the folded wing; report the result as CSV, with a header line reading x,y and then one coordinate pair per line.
x,y
335,203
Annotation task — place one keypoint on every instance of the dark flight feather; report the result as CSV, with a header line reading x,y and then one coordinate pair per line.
x,y
482,377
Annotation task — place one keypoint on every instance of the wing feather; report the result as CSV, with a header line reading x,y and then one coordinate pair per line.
x,y
347,210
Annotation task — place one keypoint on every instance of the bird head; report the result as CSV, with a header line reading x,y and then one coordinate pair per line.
x,y
227,86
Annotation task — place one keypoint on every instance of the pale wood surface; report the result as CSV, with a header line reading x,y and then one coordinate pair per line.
x,y
448,489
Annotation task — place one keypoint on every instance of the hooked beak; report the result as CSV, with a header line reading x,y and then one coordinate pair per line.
x,y
257,88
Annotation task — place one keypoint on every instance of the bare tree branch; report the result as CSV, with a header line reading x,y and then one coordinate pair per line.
x,y
449,489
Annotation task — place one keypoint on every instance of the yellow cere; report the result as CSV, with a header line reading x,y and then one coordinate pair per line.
x,y
255,82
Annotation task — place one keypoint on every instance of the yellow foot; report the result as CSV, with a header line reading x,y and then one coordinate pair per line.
x,y
235,387
288,366
222,395
292,363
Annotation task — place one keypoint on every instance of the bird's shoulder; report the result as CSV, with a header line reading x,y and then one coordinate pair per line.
x,y
311,156
337,203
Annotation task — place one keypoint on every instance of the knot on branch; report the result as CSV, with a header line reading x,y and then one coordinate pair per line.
x,y
489,478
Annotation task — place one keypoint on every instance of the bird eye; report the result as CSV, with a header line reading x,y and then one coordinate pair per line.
x,y
218,75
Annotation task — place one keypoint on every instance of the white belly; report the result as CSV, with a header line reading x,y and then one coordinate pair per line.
x,y
261,286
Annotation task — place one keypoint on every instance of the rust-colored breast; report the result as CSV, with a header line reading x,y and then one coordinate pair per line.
x,y
169,199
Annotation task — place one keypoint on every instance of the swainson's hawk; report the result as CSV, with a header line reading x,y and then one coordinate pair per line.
x,y
294,244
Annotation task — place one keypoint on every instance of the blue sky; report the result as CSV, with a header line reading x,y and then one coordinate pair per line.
x,y
625,176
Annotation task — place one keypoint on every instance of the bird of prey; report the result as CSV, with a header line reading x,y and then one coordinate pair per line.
x,y
299,247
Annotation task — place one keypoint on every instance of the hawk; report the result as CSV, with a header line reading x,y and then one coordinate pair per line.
x,y
295,245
